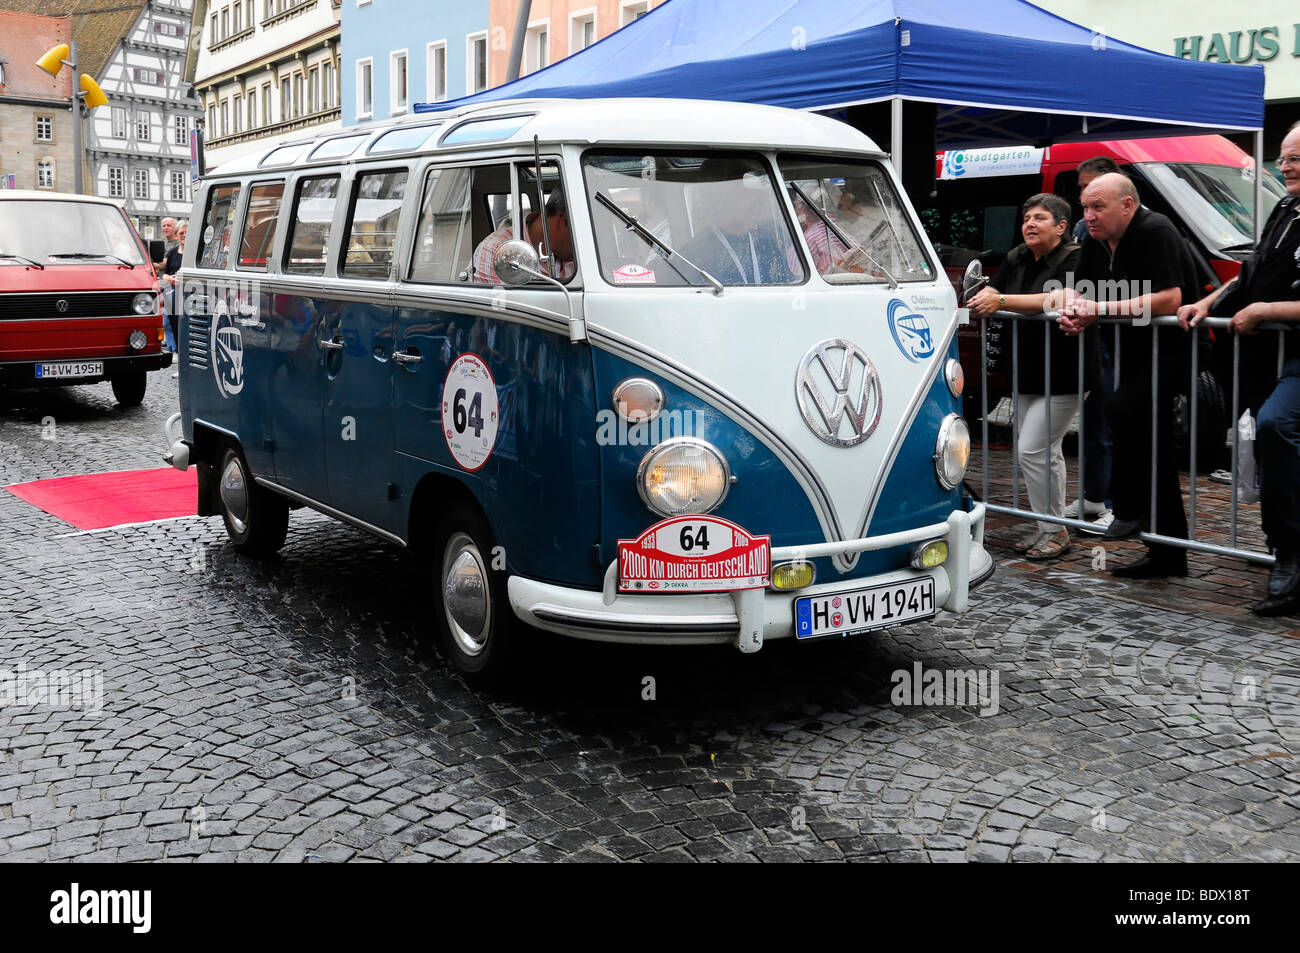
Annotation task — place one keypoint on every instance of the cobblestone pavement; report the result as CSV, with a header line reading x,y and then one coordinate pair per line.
x,y
293,711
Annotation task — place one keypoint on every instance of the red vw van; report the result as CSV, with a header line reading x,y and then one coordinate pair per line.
x,y
79,301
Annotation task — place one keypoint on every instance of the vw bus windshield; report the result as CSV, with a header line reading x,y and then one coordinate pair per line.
x,y
858,231
66,233
1218,201
719,212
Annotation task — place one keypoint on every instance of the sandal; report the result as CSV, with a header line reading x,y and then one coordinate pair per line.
x,y
1028,541
1049,546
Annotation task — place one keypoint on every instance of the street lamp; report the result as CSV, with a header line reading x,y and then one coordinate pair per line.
x,y
66,55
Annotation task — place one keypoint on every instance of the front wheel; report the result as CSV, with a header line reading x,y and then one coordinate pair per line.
x,y
256,519
128,388
475,623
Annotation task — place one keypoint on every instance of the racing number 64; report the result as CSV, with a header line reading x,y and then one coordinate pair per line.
x,y
474,417
697,540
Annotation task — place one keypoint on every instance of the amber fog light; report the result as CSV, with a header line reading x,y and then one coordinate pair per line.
x,y
930,555
793,575
138,340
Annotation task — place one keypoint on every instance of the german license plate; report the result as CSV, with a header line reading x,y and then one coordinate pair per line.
x,y
861,610
71,369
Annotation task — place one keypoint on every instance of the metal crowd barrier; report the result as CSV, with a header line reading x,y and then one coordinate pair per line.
x,y
1167,321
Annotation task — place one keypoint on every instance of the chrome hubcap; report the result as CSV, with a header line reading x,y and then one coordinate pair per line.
x,y
234,495
465,594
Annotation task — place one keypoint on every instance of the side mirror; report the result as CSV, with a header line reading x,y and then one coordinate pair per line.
x,y
157,249
973,280
515,262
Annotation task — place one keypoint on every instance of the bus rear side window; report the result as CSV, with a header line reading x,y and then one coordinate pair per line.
x,y
313,212
260,225
372,224
214,250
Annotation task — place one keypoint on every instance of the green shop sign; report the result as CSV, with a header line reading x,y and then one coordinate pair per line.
x,y
1240,46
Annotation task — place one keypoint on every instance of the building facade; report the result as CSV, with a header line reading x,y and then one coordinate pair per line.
x,y
138,145
264,69
35,107
400,52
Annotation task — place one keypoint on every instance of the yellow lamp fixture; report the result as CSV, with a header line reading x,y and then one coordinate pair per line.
x,y
52,61
93,96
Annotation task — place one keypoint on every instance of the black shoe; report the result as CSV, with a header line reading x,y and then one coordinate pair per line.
x,y
1278,605
1152,567
1122,529
1284,578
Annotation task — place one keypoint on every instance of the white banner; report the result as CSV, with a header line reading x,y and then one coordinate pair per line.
x,y
978,163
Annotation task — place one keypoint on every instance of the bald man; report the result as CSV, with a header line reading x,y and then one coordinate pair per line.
x,y
1134,264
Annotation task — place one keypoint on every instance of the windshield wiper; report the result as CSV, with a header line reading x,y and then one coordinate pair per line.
x,y
1244,246
844,239
645,233
85,254
25,261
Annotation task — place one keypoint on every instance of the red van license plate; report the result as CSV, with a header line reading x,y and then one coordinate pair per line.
x,y
71,369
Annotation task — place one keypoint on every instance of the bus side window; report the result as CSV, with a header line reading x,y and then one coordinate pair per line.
x,y
443,244
373,224
260,225
214,250
313,211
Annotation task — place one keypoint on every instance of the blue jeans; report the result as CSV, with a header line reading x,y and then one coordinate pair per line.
x,y
1096,433
1277,451
169,339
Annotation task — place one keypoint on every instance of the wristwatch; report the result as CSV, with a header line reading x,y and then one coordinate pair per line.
x,y
1002,302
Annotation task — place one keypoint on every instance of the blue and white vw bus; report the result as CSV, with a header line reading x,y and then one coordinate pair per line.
x,y
640,370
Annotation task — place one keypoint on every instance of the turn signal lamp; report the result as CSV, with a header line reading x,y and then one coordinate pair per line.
x,y
94,96
793,575
930,555
52,61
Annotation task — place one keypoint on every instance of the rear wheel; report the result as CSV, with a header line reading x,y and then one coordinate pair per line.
x,y
256,519
128,388
476,626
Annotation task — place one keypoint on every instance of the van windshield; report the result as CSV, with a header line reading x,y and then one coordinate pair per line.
x,y
65,233
721,212
1218,201
856,230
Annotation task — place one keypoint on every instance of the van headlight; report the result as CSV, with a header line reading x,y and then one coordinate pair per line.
x,y
952,451
683,475
144,304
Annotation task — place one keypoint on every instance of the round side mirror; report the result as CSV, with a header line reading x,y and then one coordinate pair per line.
x,y
515,262
973,280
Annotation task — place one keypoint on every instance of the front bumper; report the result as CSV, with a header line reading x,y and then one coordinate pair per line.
x,y
23,373
747,618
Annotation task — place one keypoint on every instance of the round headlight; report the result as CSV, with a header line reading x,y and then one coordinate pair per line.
x,y
143,304
137,340
952,451
637,399
955,376
683,475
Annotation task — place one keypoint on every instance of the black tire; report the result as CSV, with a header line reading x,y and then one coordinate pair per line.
x,y
128,388
257,520
477,629
1211,426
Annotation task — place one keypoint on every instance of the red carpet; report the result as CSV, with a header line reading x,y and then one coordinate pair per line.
x,y
98,500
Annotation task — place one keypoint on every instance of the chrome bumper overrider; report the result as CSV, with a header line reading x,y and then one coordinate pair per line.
x,y
749,617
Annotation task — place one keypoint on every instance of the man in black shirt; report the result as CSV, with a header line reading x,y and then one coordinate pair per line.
x,y
1134,264
1268,289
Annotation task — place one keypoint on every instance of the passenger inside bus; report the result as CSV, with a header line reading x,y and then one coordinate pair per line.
x,y
734,238
556,229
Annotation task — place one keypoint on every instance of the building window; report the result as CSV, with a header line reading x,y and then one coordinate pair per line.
x,y
365,89
266,104
397,88
537,48
327,81
582,31
634,11
225,23
225,117
477,78
151,77
297,94
437,72
213,39
142,126
238,25
313,90
45,174
252,109
119,123
140,184
286,101
116,182
181,130
44,128
169,29
237,111
212,122
177,184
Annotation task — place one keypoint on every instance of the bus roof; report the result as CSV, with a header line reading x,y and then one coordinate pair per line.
x,y
649,122
43,195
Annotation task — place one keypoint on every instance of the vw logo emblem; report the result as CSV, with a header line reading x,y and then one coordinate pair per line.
x,y
61,305
838,392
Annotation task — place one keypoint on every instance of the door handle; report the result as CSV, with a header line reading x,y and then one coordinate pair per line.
x,y
332,345
402,357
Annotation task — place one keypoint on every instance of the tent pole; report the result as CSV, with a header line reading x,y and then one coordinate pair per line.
x,y
896,134
1259,178
517,43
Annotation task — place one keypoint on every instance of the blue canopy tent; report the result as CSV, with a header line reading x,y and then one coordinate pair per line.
x,y
1002,71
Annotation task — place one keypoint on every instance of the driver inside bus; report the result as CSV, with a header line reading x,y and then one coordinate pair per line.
x,y
557,229
736,240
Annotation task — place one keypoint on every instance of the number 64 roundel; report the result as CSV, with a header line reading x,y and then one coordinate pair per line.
x,y
470,413
694,554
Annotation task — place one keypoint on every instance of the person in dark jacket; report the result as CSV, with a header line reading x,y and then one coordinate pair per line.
x,y
1026,281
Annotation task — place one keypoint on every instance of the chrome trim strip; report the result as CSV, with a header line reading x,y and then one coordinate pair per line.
x,y
331,511
691,625
909,416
